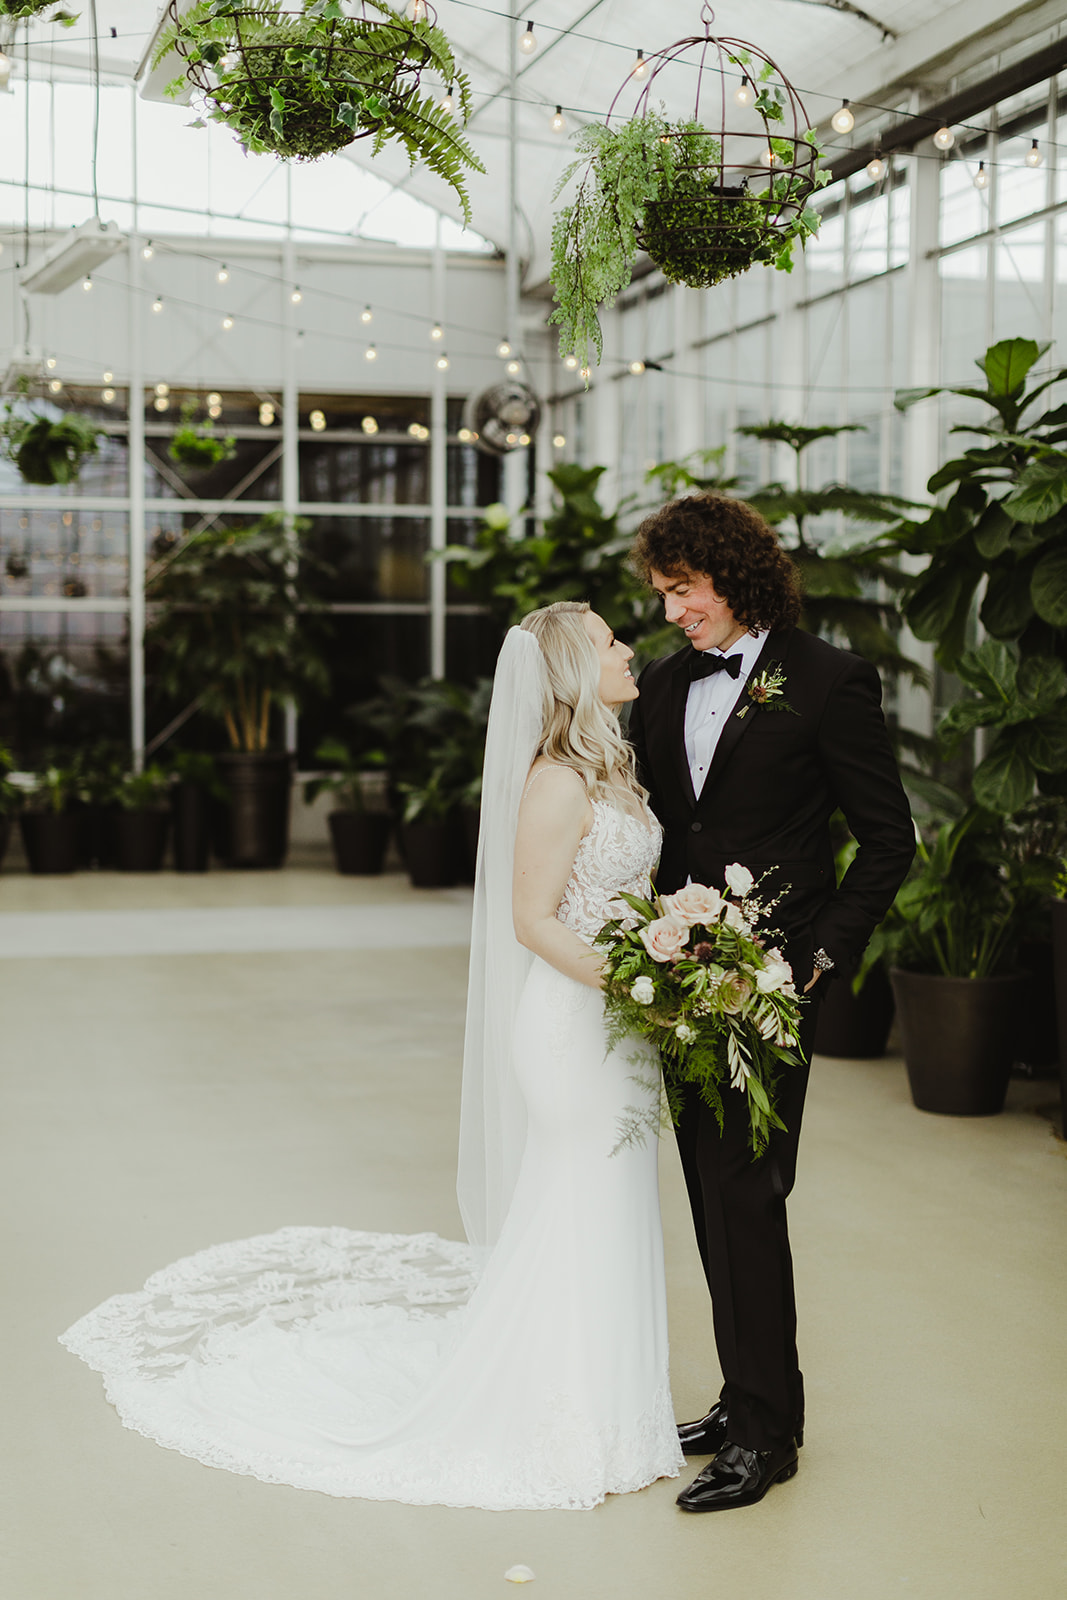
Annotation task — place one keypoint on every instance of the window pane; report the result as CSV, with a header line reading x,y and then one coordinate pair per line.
x,y
370,558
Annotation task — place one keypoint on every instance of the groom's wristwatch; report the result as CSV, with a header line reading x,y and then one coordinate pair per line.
x,y
824,962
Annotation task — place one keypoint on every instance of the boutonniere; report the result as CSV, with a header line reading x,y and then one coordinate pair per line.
x,y
766,689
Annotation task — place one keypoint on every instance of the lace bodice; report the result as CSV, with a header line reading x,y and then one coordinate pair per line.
x,y
617,853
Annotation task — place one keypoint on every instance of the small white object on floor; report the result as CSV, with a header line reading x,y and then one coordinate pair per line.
x,y
519,1575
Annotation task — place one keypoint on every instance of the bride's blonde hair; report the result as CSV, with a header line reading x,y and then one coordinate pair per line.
x,y
577,729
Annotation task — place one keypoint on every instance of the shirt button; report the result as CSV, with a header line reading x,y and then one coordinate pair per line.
x,y
695,827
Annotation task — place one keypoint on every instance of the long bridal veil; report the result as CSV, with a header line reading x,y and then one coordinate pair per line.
x,y
492,1114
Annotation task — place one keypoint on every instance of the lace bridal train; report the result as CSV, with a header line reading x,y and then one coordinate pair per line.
x,y
412,1368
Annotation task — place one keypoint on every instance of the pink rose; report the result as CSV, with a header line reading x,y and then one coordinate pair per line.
x,y
733,992
665,937
694,903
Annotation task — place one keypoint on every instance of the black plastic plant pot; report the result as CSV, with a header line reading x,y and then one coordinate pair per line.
x,y
5,837
259,786
50,839
855,1027
141,839
191,817
96,835
359,841
431,854
958,1036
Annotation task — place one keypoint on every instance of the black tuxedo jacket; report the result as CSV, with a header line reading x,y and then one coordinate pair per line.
x,y
773,784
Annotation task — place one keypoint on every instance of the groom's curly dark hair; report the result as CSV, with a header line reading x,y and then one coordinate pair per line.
x,y
728,542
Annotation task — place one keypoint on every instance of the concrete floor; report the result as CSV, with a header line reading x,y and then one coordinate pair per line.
x,y
160,1102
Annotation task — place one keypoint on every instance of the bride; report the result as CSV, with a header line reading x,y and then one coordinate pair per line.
x,y
526,1369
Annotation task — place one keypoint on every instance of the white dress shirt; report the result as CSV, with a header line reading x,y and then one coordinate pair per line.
x,y
710,703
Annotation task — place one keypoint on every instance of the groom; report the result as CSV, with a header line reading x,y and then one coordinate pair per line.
x,y
748,739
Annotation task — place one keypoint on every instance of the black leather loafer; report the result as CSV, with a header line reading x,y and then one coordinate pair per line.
x,y
706,1435
739,1477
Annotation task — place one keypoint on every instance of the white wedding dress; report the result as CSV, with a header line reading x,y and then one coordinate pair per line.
x,y
399,1367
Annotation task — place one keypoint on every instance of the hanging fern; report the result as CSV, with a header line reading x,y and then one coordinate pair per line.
x,y
26,10
47,452
305,85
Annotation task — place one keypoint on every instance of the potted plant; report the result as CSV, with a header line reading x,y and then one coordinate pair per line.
x,y
358,830
194,786
236,626
664,187
142,819
49,822
196,445
44,450
304,83
431,846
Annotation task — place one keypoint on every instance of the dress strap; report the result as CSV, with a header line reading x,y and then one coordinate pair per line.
x,y
549,766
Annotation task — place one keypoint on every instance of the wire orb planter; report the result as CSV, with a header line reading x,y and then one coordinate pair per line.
x,y
706,197
302,84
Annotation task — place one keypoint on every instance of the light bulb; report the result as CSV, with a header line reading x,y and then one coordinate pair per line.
x,y
163,388
51,363
767,157
437,332
442,363
5,70
318,421
503,349
148,250
266,413
524,438
87,283
743,95
511,438
1033,156
214,399
513,368
944,138
585,372
876,168
981,177
416,11
108,376
230,61
570,362
157,305
447,102
842,120
227,323
366,314
559,121
558,440
55,385
223,274
528,42
639,70
464,436
369,425
370,354
296,296
107,395
214,412
637,367
414,428
161,403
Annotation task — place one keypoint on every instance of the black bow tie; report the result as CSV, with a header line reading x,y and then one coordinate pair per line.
x,y
702,663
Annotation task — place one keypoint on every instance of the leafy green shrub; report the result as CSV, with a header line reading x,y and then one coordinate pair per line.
x,y
47,452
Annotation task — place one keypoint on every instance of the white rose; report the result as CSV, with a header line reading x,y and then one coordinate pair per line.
x,y
738,879
643,990
732,918
684,1033
775,974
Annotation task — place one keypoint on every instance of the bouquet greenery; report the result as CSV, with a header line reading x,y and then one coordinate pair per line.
x,y
694,977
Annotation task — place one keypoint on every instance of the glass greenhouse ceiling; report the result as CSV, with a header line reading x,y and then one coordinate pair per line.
x,y
585,49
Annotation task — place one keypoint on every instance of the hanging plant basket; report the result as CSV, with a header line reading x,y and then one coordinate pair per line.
x,y
706,197
27,10
197,446
44,451
305,83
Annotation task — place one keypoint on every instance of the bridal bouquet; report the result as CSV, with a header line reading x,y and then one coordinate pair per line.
x,y
695,978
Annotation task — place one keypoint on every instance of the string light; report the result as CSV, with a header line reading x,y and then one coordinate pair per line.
x,y
417,431
51,363
223,274
214,412
266,413
296,295
157,305
528,42
370,354
558,123
442,363
464,436
513,368
637,367
639,70
227,323
162,388
944,138
214,398
1033,156
512,438
981,177
585,372
148,250
743,95
5,70
55,385
366,315
230,61
416,11
842,120
767,157
876,167
447,102
558,440
87,283
570,362
108,376
437,332
524,438
161,403
107,395
318,421
503,349
369,425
